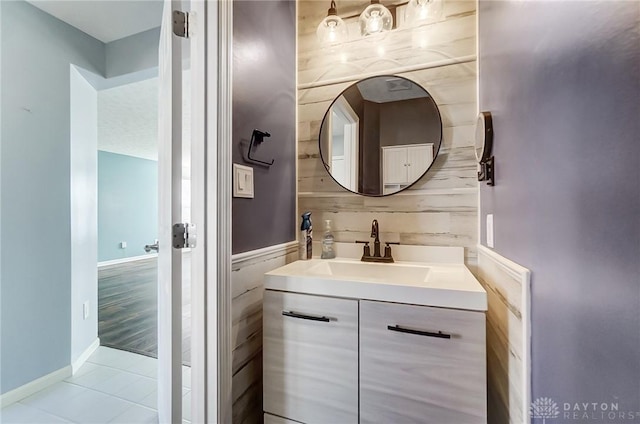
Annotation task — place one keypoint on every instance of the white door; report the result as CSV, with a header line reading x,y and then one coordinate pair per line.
x,y
350,130
394,165
170,212
210,198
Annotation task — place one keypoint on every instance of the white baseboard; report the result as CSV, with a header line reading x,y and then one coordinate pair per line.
x,y
75,366
34,386
125,260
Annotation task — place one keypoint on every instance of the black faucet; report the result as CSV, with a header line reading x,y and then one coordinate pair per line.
x,y
375,233
376,257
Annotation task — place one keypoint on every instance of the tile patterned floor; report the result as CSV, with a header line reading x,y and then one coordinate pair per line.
x,y
113,386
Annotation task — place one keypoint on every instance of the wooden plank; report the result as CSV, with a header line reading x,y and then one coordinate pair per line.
x,y
507,337
448,218
454,37
246,392
453,114
247,292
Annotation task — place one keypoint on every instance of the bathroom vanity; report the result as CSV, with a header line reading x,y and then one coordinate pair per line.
x,y
347,341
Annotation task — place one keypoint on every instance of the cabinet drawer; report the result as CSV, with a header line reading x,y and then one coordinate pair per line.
x,y
310,357
421,365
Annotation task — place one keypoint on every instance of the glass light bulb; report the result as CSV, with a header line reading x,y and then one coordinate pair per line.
x,y
375,18
423,11
332,30
375,22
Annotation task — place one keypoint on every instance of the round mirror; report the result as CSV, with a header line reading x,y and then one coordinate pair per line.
x,y
380,135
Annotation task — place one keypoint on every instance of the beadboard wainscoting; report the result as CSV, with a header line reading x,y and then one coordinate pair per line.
x,y
441,208
247,290
508,336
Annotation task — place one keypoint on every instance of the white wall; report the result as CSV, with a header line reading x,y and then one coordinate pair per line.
x,y
84,212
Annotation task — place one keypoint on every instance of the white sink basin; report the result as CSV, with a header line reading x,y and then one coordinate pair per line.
x,y
370,271
429,284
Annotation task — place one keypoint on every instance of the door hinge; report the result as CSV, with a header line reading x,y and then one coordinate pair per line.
x,y
181,23
184,235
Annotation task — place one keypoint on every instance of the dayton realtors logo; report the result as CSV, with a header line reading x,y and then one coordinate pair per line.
x,y
547,409
544,408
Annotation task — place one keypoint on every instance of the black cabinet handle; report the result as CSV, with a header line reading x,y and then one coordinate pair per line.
x,y
304,316
399,329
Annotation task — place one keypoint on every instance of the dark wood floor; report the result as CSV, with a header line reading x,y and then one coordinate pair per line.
x,y
128,307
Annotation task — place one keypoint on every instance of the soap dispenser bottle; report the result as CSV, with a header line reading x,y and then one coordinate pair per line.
x,y
306,237
328,251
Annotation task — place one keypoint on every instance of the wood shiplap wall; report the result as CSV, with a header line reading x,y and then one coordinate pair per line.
x,y
246,308
441,209
508,337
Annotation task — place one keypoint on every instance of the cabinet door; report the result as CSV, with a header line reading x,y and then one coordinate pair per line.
x,y
310,358
419,159
394,165
410,372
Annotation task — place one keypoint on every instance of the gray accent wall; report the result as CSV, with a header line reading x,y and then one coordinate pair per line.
x,y
131,54
35,267
412,121
562,80
264,36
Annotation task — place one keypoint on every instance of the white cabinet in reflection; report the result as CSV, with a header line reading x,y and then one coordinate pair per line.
x,y
403,165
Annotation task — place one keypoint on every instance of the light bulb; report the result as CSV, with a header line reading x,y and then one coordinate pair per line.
x,y
375,18
423,11
375,22
332,30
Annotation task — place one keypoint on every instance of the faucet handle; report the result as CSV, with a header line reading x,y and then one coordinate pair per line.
x,y
387,249
367,250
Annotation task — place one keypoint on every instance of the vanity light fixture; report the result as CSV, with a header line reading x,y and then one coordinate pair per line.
x,y
423,11
375,19
332,30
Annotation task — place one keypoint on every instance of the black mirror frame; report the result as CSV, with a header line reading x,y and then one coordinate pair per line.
x,y
435,155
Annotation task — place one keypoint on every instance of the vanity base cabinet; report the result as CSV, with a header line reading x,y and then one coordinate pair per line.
x,y
310,350
421,364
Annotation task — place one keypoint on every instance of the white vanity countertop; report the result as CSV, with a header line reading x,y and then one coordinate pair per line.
x,y
441,284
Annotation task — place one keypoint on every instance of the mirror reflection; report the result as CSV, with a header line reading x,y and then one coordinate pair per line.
x,y
380,135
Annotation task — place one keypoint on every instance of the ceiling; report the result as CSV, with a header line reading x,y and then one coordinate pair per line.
x,y
390,89
105,20
128,119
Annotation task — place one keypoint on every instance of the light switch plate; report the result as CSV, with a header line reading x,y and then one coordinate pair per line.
x,y
242,181
490,230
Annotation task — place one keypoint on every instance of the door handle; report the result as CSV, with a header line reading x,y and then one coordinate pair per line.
x,y
149,247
